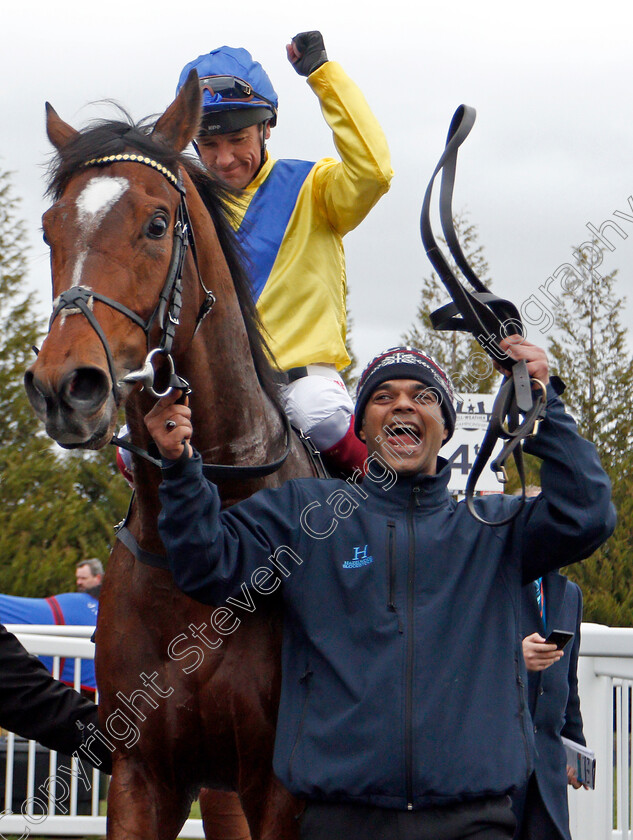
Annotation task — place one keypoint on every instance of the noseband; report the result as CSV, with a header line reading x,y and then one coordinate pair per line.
x,y
79,299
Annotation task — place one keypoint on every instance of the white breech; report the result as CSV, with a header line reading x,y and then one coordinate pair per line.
x,y
320,405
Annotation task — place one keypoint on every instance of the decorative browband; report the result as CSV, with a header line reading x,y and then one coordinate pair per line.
x,y
102,161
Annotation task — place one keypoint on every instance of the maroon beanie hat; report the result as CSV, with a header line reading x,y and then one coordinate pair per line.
x,y
406,363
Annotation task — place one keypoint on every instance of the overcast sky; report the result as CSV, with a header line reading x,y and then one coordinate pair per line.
x,y
549,154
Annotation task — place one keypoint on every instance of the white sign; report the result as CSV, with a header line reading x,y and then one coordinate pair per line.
x,y
473,414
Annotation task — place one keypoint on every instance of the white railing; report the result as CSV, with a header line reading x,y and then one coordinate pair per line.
x,y
605,679
77,631
49,803
605,676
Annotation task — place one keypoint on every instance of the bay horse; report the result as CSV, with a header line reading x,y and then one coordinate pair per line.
x,y
186,703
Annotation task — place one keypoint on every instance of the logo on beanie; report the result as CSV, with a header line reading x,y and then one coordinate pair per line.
x,y
405,358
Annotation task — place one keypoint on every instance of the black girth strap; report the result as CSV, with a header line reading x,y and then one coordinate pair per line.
x,y
156,561
232,472
488,318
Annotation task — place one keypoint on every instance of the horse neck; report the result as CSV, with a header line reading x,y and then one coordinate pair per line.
x,y
234,421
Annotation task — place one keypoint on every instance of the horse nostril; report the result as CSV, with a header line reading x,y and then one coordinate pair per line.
x,y
85,388
34,394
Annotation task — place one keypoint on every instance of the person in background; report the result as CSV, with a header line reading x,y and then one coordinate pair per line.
x,y
551,602
88,576
291,217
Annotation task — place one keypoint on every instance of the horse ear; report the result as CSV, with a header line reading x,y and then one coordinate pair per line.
x,y
59,132
179,124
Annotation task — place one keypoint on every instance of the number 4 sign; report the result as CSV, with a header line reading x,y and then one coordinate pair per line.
x,y
473,414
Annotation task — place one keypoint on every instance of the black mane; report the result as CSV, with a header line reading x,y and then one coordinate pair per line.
x,y
110,137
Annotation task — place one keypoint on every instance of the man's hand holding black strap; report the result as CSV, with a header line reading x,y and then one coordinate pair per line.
x,y
307,52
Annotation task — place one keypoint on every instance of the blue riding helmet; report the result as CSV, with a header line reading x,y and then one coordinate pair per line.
x,y
236,92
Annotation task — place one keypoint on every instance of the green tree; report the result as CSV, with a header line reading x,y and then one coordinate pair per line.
x,y
458,353
590,353
59,510
54,509
20,330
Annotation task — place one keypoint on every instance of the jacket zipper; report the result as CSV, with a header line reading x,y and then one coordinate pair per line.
x,y
391,572
415,502
523,707
306,680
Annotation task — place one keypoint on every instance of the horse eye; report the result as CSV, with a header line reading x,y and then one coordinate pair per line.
x,y
157,227
46,242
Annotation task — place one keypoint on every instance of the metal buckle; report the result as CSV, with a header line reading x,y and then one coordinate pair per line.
x,y
539,418
146,374
501,474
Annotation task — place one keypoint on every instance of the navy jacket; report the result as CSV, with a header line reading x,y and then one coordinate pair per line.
x,y
402,665
553,694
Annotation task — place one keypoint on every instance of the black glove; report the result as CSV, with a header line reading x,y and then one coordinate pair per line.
x,y
311,51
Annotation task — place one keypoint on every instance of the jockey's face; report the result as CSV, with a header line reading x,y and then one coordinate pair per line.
x,y
235,157
403,422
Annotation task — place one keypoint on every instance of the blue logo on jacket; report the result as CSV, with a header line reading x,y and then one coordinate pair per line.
x,y
360,559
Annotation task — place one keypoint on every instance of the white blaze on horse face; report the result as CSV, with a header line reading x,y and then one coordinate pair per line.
x,y
98,197
93,204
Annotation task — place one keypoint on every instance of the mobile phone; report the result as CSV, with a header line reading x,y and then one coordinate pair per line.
x,y
560,638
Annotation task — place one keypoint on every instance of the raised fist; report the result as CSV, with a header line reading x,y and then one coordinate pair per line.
x,y
307,52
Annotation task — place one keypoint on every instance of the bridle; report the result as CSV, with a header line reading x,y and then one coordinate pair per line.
x,y
79,299
167,311
489,319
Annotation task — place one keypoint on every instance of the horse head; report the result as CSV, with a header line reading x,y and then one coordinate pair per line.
x,y
118,235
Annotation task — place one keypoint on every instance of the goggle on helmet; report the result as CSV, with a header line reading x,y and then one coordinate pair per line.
x,y
230,103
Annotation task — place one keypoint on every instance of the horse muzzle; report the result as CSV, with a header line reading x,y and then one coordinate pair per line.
x,y
78,410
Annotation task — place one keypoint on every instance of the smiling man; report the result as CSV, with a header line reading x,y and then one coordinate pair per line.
x,y
402,712
406,396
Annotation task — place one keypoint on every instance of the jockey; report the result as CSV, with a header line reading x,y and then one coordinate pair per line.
x,y
290,220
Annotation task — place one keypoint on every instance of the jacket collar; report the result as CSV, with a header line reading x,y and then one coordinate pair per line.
x,y
425,492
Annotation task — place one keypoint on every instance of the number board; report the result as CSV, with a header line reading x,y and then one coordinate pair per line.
x,y
473,413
